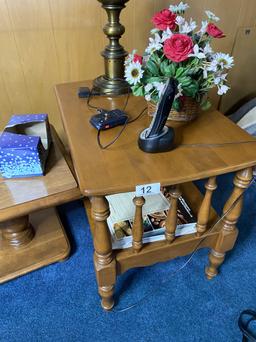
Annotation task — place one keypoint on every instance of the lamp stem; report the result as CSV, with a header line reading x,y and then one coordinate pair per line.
x,y
114,54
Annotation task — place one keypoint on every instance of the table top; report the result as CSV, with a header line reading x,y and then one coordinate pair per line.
x,y
23,195
123,166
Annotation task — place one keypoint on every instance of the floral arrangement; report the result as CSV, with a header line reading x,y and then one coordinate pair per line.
x,y
179,49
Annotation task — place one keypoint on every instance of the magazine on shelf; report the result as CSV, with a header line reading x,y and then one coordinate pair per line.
x,y
155,209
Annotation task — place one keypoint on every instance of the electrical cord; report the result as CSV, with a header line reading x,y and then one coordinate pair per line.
x,y
120,132
99,110
93,92
149,294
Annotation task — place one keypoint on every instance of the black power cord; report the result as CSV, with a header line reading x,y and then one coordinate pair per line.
x,y
120,132
99,110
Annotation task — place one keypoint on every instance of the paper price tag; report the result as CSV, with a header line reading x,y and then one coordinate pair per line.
x,y
147,189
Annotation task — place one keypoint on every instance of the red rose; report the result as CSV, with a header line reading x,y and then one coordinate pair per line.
x,y
214,31
164,19
137,58
178,47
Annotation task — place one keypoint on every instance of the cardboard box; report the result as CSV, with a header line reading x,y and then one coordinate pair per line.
x,y
24,146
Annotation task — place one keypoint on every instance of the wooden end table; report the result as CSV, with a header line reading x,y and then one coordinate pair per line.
x,y
123,166
31,234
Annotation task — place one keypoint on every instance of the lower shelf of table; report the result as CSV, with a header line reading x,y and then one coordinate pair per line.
x,y
161,251
49,245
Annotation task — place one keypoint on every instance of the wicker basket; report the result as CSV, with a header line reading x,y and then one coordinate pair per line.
x,y
188,112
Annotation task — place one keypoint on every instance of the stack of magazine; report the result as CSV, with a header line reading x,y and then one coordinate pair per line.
x,y
155,210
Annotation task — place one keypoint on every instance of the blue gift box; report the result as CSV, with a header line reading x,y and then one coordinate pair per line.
x,y
24,146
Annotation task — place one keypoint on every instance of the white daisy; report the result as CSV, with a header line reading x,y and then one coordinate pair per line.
x,y
166,34
188,27
222,89
154,44
181,7
212,16
224,60
133,73
197,53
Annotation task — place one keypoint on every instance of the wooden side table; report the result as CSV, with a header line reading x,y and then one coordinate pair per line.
x,y
31,234
123,166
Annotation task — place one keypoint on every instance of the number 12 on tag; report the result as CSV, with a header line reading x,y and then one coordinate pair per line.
x,y
147,189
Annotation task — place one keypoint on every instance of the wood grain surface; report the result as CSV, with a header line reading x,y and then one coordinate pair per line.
x,y
123,166
49,245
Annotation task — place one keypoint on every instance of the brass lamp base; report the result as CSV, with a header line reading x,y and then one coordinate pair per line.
x,y
104,85
113,81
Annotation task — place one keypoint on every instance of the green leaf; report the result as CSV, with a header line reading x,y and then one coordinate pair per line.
x,y
138,90
191,90
152,68
185,81
153,79
164,67
179,72
154,57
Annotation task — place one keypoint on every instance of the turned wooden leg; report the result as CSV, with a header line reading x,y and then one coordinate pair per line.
x,y
228,233
105,265
171,220
17,233
137,228
204,211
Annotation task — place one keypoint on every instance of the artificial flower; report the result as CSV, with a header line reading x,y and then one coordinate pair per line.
x,y
164,19
214,31
148,87
196,52
159,87
224,60
166,34
203,28
211,16
133,73
154,44
188,27
180,20
178,47
137,58
207,50
130,57
219,78
222,89
180,8
179,92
